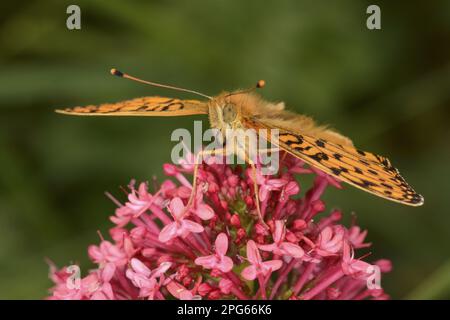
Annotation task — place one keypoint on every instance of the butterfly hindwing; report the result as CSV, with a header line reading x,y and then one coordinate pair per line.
x,y
145,106
367,171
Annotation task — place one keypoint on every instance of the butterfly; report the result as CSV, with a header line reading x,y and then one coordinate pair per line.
x,y
298,135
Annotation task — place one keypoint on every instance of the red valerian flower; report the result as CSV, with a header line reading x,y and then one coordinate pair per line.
x,y
181,226
258,267
145,279
220,249
281,247
218,260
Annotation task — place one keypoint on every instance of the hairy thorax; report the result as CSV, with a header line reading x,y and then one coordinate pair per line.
x,y
230,110
225,113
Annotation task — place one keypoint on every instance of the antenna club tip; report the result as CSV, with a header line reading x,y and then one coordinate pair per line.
x,y
260,84
116,72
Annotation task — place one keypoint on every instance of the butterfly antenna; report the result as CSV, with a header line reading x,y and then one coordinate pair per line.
x,y
120,74
259,84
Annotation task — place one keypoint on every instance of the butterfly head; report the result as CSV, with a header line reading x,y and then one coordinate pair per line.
x,y
224,112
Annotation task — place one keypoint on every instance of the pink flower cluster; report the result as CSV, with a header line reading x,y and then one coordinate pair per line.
x,y
219,248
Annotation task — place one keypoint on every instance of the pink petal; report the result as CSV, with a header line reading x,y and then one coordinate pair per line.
x,y
188,225
188,162
280,231
108,272
292,188
326,234
108,291
128,247
221,244
110,250
357,269
139,280
226,265
135,200
95,253
139,267
252,253
186,295
292,249
204,211
249,273
142,190
183,192
162,268
176,207
168,232
384,265
225,286
178,291
276,183
170,169
263,193
90,282
123,211
207,262
337,239
168,185
273,265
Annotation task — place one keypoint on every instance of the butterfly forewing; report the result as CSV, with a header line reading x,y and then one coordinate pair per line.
x,y
364,170
324,149
145,106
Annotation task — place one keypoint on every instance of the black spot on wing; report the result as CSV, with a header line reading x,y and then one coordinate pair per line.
x,y
319,156
365,183
417,198
364,162
336,171
142,108
290,138
320,143
387,186
171,104
358,170
361,152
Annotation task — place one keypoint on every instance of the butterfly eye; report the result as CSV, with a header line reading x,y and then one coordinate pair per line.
x,y
229,113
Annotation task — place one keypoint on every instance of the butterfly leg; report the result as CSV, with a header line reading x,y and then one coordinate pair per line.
x,y
256,188
255,181
198,161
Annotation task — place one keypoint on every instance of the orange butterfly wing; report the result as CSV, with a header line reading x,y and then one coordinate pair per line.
x,y
367,171
145,106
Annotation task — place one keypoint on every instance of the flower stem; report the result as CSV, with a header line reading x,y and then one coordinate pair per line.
x,y
322,285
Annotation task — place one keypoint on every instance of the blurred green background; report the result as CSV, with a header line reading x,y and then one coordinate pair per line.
x,y
388,89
